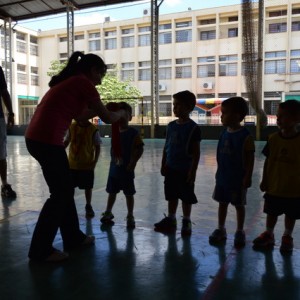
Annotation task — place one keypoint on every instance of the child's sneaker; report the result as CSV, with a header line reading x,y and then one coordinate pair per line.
x,y
107,217
186,228
264,240
130,222
287,244
7,191
166,225
218,236
89,212
239,239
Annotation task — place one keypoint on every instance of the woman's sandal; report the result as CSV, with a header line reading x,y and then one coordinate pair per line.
x,y
89,240
57,256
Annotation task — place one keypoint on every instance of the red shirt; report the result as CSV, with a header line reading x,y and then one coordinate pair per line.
x,y
59,106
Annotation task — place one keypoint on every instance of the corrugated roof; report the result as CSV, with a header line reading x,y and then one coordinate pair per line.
x,y
28,9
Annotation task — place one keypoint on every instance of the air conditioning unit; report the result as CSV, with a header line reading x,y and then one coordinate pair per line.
x,y
207,85
107,19
146,12
162,87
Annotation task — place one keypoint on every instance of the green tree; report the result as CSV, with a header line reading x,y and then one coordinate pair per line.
x,y
111,89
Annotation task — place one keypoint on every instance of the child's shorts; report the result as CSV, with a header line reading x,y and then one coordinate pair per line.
x,y
83,179
176,187
122,183
276,206
236,197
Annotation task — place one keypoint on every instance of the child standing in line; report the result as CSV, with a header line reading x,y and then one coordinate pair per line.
x,y
235,159
179,164
84,151
281,177
121,171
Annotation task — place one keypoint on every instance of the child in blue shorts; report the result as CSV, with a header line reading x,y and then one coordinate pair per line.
x,y
121,171
235,159
179,164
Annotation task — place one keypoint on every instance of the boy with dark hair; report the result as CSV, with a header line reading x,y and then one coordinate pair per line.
x,y
179,163
281,177
235,159
122,166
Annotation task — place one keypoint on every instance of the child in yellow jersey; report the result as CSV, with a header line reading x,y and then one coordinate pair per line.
x,y
84,151
281,177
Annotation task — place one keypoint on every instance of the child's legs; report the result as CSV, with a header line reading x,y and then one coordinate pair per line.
x,y
289,225
110,201
240,217
88,195
172,207
271,222
186,209
130,204
222,214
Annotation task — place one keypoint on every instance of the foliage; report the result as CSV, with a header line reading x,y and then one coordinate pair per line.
x,y
111,89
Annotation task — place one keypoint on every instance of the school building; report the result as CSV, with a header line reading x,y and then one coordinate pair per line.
x,y
199,50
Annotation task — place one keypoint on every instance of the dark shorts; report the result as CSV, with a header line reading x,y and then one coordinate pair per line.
x,y
116,184
276,206
176,187
236,197
83,179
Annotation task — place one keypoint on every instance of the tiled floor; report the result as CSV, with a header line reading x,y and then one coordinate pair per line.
x,y
142,264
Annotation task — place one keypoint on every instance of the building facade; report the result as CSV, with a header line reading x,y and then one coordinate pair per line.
x,y
199,50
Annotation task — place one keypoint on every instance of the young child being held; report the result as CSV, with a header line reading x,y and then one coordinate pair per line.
x,y
125,153
281,177
179,163
235,160
84,140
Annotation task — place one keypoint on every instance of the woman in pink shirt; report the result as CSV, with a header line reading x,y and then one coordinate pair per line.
x,y
72,95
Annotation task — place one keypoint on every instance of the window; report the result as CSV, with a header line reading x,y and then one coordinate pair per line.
x,y
144,29
165,69
94,45
34,80
232,32
233,19
275,66
33,39
63,39
165,109
34,50
165,26
127,72
144,40
184,24
63,57
274,54
295,53
206,59
110,33
207,21
94,35
208,70
296,26
34,70
128,31
21,74
277,13
295,66
21,36
183,36
277,27
110,44
295,11
128,42
207,35
144,70
184,71
21,47
165,38
79,37
229,69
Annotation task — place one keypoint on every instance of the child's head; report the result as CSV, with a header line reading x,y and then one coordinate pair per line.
x,y
115,106
233,110
184,102
288,114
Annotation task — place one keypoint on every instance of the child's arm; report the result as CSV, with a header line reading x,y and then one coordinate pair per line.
x,y
97,153
263,184
67,139
249,150
135,156
195,150
163,163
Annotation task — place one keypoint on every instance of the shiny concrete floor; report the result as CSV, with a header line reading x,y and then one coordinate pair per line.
x,y
142,264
